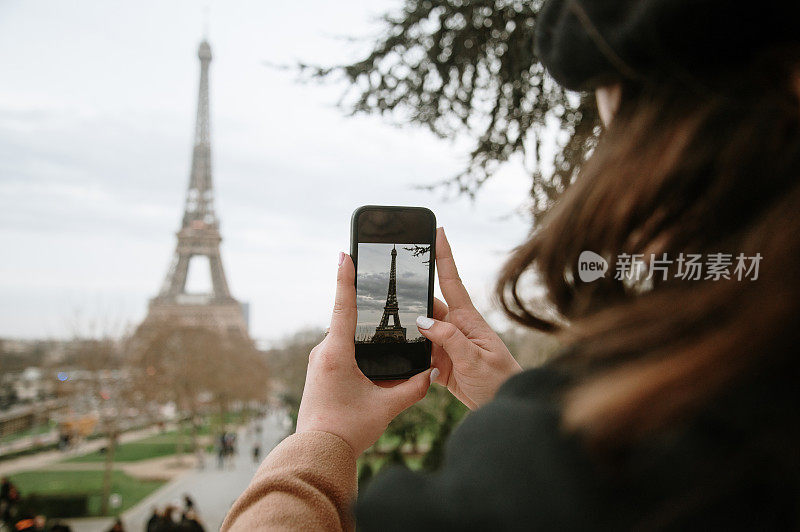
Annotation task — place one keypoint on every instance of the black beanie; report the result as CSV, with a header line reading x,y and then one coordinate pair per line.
x,y
588,43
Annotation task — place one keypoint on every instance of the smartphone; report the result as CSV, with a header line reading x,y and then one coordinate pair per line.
x,y
394,252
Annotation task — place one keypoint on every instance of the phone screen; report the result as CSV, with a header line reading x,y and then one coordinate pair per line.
x,y
393,250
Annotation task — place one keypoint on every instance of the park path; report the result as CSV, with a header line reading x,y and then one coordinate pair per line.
x,y
213,490
47,458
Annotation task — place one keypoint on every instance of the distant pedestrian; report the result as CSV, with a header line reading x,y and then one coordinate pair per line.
x,y
168,522
9,497
31,524
188,503
221,450
228,443
5,488
154,522
190,523
257,453
118,526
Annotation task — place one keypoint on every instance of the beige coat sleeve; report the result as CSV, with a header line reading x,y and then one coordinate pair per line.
x,y
307,482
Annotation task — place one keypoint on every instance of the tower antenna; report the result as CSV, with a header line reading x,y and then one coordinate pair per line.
x,y
206,18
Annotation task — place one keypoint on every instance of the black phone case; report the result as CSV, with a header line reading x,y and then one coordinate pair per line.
x,y
431,275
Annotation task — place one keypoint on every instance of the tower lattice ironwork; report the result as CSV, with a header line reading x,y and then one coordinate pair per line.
x,y
199,236
394,332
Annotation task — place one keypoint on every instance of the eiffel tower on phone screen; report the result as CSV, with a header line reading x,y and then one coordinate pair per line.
x,y
394,333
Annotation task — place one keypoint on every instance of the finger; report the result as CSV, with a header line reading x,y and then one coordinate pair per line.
x,y
452,288
409,391
343,321
441,360
440,309
447,336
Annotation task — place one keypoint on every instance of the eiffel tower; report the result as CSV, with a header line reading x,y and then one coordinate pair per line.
x,y
395,333
199,236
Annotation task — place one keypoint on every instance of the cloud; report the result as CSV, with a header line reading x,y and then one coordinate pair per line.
x,y
412,293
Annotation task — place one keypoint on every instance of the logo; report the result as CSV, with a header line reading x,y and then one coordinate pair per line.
x,y
591,266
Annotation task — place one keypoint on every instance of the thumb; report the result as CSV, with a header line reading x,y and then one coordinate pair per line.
x,y
345,314
410,391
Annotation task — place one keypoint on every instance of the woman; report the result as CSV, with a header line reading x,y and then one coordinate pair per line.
x,y
674,403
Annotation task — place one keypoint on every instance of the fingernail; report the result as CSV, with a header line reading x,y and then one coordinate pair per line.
x,y
434,374
341,258
424,322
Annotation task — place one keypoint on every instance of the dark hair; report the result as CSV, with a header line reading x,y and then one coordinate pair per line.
x,y
680,169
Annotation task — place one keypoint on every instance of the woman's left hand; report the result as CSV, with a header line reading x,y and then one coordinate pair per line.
x,y
337,397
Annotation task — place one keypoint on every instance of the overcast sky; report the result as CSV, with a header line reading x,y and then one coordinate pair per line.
x,y
97,106
374,264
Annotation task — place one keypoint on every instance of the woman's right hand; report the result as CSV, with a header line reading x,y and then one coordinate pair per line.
x,y
472,360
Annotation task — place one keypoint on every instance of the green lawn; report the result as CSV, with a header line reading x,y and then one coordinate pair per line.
x,y
35,431
159,445
170,437
89,482
151,447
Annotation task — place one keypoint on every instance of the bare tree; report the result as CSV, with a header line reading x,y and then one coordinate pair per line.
x,y
96,387
289,362
194,367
